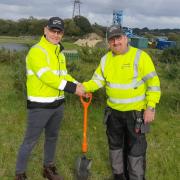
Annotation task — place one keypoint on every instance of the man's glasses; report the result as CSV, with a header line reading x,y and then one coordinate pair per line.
x,y
55,31
116,38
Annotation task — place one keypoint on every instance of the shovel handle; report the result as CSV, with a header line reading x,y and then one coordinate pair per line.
x,y
85,105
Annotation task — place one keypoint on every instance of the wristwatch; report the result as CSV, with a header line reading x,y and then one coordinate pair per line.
x,y
151,108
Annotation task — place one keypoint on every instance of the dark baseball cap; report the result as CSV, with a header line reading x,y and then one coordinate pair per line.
x,y
56,23
114,30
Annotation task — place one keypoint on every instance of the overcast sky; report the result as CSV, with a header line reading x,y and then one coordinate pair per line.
x,y
136,13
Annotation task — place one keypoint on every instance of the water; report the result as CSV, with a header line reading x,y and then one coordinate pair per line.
x,y
13,46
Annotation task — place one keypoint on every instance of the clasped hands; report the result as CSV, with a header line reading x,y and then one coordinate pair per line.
x,y
80,90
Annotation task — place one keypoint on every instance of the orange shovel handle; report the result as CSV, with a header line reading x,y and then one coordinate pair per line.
x,y
85,105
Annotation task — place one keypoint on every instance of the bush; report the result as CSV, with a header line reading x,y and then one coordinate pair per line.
x,y
170,55
91,55
6,56
173,71
17,61
19,67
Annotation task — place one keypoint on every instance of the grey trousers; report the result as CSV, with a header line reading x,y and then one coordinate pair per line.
x,y
40,119
127,149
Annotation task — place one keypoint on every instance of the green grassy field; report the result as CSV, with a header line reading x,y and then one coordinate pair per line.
x,y
21,40
28,40
163,150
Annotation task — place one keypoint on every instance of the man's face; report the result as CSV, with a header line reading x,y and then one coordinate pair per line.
x,y
118,44
54,36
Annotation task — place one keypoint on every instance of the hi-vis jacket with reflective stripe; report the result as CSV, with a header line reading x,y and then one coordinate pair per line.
x,y
130,79
47,76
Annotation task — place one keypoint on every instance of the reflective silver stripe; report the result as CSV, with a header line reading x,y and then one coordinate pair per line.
x,y
98,83
42,71
103,61
44,99
149,76
136,61
47,56
134,81
60,72
57,72
125,86
62,84
29,72
76,82
63,72
139,83
154,88
97,76
121,86
145,78
126,101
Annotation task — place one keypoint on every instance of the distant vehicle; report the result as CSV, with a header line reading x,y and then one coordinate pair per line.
x,y
163,44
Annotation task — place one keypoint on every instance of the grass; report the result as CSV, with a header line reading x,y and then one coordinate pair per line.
x,y
11,121
20,40
69,46
163,141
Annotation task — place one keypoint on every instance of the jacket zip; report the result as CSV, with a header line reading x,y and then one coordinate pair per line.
x,y
57,55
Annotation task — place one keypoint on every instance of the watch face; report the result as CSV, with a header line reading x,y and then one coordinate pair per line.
x,y
151,108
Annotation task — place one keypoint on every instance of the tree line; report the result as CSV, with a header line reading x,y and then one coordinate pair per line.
x,y
77,26
31,26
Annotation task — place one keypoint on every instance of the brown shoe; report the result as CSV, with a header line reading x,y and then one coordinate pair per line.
x,y
50,172
21,176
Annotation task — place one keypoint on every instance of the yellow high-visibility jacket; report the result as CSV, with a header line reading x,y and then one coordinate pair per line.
x,y
130,80
47,76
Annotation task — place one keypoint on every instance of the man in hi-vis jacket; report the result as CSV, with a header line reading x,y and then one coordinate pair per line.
x,y
47,79
133,90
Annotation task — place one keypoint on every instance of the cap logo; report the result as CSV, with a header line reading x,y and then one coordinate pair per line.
x,y
56,22
112,29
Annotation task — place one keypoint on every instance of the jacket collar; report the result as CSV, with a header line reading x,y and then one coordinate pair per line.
x,y
45,42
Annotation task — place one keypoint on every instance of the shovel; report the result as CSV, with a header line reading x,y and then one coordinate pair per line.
x,y
83,164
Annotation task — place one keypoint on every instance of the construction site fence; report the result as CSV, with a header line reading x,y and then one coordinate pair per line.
x,y
72,56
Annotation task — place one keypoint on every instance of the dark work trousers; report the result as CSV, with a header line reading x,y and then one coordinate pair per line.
x,y
127,149
40,119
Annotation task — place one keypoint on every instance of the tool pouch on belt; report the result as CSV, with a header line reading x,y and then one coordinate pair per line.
x,y
140,127
107,113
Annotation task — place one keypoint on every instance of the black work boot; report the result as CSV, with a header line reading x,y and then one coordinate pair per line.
x,y
50,172
119,177
21,176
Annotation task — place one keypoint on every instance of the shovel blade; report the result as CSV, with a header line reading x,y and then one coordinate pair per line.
x,y
83,166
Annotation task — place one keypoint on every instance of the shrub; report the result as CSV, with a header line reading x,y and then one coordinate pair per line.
x,y
19,67
91,55
17,61
6,56
170,55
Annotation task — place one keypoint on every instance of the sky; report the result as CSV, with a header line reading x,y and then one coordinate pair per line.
x,y
153,14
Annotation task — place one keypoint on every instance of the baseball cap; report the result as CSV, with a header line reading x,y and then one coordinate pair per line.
x,y
56,23
114,30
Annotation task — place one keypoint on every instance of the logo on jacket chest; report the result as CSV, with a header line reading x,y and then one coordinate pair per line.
x,y
126,66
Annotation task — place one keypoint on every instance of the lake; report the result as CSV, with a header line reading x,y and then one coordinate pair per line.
x,y
13,46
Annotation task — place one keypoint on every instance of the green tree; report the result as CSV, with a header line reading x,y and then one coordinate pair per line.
x,y
83,23
23,27
71,28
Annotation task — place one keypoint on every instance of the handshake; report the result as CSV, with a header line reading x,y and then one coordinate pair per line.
x,y
80,90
